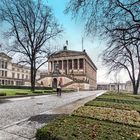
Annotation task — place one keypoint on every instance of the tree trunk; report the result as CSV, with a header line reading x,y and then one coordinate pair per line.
x,y
118,88
32,77
135,89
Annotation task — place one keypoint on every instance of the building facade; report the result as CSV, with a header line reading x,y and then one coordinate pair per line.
x,y
13,74
76,70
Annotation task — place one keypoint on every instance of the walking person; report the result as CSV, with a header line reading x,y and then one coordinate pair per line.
x,y
59,89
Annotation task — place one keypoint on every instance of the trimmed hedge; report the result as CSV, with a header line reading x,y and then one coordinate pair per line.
x,y
25,87
38,92
18,93
3,94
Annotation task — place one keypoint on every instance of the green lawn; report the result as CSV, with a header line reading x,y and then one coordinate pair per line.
x,y
109,117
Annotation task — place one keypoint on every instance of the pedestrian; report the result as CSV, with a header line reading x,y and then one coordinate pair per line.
x,y
59,89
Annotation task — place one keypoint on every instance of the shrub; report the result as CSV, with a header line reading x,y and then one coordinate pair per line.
x,y
18,93
3,94
38,92
24,87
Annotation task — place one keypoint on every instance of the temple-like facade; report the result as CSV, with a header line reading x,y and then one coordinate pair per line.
x,y
76,70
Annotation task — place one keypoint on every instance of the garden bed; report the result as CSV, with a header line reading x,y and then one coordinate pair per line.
x,y
78,128
109,117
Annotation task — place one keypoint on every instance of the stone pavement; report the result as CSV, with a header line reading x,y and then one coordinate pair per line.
x,y
20,117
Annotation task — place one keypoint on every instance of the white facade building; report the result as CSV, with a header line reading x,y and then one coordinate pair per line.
x,y
13,74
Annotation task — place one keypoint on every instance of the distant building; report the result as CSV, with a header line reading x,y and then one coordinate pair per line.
x,y
129,86
13,74
111,86
76,70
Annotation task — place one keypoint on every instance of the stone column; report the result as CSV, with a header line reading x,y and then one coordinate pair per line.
x,y
67,67
62,67
84,66
78,64
49,67
72,64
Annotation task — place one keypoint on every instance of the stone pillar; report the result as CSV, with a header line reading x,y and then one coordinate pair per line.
x,y
62,68
49,67
78,64
84,66
72,64
67,67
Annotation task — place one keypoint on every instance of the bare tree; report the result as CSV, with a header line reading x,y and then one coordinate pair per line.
x,y
119,22
30,24
123,53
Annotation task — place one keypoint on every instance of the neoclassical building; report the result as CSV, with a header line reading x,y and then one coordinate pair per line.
x,y
13,74
76,70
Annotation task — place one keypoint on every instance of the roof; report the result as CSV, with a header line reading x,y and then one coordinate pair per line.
x,y
5,55
75,53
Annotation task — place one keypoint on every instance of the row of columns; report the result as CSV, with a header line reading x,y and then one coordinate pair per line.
x,y
51,65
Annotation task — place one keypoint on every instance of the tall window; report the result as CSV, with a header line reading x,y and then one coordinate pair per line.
x,y
60,64
55,63
5,73
65,64
22,76
81,65
26,77
70,64
18,75
13,75
5,65
75,64
2,64
2,73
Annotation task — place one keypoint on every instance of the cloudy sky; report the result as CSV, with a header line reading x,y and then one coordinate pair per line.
x,y
73,32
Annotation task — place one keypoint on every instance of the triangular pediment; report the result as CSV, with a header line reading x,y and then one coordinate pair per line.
x,y
67,53
5,55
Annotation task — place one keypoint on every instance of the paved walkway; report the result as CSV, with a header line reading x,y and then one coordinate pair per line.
x,y
20,117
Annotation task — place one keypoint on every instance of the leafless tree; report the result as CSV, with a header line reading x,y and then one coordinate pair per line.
x,y
119,22
30,24
123,53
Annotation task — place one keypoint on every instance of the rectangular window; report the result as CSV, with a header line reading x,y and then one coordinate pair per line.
x,y
2,73
60,64
18,75
55,63
75,64
5,65
13,75
5,73
70,64
81,65
65,64
22,76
